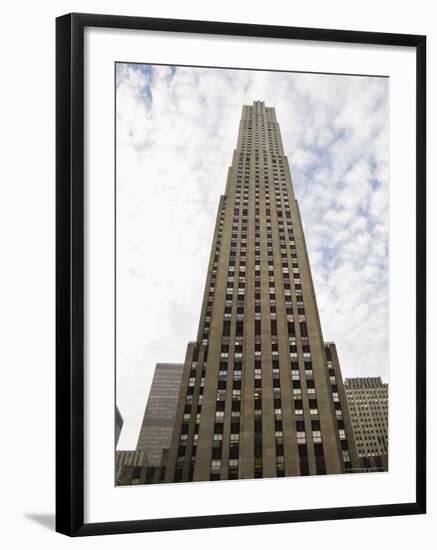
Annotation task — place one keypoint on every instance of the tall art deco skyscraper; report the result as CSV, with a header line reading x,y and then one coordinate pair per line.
x,y
258,398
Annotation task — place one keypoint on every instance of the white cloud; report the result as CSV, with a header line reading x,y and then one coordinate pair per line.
x,y
176,131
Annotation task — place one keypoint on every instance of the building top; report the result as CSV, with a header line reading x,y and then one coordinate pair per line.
x,y
364,383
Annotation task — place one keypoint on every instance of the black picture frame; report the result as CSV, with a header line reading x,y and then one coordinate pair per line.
x,y
70,272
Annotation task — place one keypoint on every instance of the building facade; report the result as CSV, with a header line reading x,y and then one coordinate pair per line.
x,y
256,397
368,406
159,415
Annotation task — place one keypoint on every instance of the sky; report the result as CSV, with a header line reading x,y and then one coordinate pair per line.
x,y
176,129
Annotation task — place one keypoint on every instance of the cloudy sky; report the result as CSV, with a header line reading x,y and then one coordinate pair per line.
x,y
176,131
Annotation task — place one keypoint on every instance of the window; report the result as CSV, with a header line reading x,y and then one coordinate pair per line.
x,y
216,452
226,328
273,327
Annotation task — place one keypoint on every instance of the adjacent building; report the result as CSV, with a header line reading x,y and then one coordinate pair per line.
x,y
159,415
129,460
133,468
368,406
260,395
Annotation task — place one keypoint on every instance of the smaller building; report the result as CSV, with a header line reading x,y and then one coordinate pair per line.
x,y
368,406
159,416
133,459
138,472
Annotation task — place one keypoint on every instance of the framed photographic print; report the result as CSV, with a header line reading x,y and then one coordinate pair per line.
x,y
240,274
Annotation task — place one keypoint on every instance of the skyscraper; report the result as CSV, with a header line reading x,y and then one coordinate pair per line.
x,y
256,398
159,415
368,406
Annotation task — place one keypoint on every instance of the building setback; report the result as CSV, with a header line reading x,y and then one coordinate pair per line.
x,y
339,396
368,406
159,416
118,424
256,398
